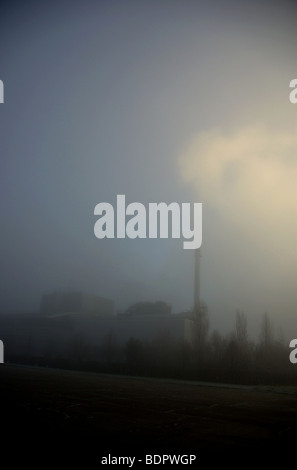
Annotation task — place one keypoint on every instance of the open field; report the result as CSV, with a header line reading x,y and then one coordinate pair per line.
x,y
77,417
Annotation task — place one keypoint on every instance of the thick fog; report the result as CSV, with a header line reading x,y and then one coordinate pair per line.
x,y
163,102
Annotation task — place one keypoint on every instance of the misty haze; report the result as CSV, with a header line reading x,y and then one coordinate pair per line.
x,y
117,344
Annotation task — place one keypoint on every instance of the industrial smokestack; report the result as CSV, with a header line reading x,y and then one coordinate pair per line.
x,y
197,282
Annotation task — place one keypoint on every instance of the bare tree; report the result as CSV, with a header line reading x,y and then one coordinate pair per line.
x,y
266,332
241,328
201,326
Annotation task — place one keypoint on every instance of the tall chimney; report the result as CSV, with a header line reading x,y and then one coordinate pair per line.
x,y
197,282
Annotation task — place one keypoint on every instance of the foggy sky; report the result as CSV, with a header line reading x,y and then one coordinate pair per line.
x,y
160,101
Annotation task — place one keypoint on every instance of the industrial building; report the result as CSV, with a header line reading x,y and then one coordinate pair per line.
x,y
75,302
69,322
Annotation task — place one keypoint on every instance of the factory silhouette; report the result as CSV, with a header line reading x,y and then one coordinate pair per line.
x,y
78,324
77,330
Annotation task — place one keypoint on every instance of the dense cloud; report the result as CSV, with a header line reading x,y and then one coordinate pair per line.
x,y
249,177
104,99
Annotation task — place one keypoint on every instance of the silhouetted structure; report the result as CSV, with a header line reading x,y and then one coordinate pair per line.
x,y
197,281
71,324
75,302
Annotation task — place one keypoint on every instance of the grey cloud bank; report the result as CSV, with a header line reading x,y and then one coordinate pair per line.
x,y
105,99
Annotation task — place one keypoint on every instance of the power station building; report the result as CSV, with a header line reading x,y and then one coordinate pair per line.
x,y
75,302
69,321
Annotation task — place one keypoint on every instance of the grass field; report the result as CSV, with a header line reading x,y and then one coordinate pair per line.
x,y
66,418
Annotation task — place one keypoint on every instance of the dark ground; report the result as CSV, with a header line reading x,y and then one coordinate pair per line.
x,y
66,418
